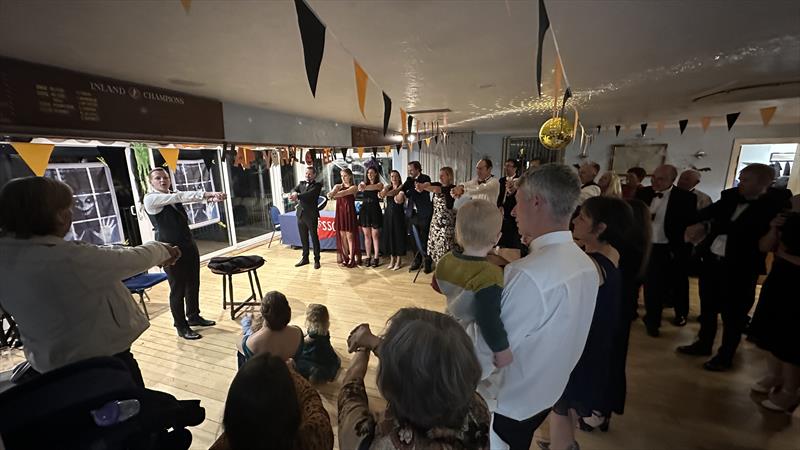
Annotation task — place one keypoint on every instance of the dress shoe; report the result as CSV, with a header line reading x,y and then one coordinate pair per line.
x,y
316,265
369,262
302,262
376,262
188,333
717,364
200,322
428,265
679,321
695,349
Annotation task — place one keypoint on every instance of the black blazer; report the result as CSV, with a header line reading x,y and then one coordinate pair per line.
x,y
308,195
510,202
421,200
744,232
681,212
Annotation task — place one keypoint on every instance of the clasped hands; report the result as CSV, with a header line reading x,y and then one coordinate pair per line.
x,y
215,197
174,255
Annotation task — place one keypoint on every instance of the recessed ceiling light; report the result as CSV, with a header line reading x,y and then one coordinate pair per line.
x,y
187,83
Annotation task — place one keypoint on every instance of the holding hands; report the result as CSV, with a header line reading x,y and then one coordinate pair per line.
x,y
695,233
361,338
457,191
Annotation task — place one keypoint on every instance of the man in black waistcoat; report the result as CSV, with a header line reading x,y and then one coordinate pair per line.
x,y
729,232
509,234
421,208
667,280
306,194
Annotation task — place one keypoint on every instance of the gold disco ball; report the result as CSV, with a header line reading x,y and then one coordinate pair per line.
x,y
556,133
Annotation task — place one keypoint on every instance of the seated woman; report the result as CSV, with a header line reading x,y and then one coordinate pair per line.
x,y
67,297
276,337
271,407
436,408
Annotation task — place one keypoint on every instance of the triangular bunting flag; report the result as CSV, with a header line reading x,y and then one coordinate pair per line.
x,y
361,86
374,152
767,113
544,24
556,84
387,149
411,123
428,142
567,96
706,122
644,128
682,124
660,126
360,151
312,32
617,127
36,156
398,147
436,139
187,5
731,119
403,116
344,153
387,112
599,127
170,157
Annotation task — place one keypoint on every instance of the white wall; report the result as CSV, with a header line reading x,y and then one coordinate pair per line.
x,y
717,143
256,125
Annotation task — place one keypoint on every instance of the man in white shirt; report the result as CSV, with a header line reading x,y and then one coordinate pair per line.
x,y
588,172
484,186
547,306
688,181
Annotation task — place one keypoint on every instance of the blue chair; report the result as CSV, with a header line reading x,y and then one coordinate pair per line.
x,y
139,284
275,214
321,202
420,250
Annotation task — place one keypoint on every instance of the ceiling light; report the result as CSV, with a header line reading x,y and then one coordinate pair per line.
x,y
410,138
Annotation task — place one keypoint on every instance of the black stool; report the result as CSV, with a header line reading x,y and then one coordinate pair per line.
x,y
228,267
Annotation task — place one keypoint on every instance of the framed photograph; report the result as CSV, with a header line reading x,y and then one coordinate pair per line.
x,y
95,213
646,156
193,175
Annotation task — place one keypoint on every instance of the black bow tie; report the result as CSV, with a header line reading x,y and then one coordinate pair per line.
x,y
484,181
660,194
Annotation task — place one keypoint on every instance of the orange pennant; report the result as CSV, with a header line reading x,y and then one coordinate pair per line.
x,y
361,86
660,126
170,157
404,121
767,113
36,156
187,5
360,151
706,121
557,82
387,149
428,142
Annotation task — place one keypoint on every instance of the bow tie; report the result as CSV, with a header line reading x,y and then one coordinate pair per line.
x,y
659,194
484,181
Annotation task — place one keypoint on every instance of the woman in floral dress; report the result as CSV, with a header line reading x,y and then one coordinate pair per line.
x,y
443,224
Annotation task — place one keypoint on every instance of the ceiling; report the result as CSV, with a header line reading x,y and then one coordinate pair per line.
x,y
627,61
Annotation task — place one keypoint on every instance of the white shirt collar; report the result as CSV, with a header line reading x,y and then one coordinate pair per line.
x,y
554,237
665,191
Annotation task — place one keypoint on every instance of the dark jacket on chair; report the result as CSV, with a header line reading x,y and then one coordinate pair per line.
x,y
681,212
308,195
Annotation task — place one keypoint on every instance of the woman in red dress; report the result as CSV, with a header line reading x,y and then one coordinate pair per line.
x,y
348,249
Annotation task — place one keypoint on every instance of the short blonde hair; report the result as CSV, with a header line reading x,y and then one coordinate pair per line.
x,y
317,319
478,223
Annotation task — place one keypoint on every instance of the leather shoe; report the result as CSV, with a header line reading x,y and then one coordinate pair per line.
x,y
717,364
200,322
301,263
316,265
188,333
695,349
679,321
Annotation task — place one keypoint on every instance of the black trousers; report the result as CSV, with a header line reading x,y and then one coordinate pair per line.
x,y
127,358
518,434
306,226
729,289
184,285
667,281
423,224
509,234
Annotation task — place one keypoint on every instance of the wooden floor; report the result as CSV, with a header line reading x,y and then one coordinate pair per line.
x,y
672,403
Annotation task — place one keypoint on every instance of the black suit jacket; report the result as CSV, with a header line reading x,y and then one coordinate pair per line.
x,y
681,212
307,197
744,232
510,201
421,200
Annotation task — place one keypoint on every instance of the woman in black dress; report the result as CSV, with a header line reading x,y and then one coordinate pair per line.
x,y
602,227
394,221
370,217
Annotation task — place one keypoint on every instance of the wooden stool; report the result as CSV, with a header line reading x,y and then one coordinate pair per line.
x,y
227,286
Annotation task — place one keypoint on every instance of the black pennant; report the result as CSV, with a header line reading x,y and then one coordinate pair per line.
x,y
387,112
398,147
410,122
544,24
312,32
644,128
436,139
374,152
567,96
419,142
731,118
344,152
682,124
598,129
617,127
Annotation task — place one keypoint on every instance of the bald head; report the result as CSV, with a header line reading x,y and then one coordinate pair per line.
x,y
664,176
689,179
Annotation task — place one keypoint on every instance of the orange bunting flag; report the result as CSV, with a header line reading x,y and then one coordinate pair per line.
x,y
387,149
187,5
557,83
660,126
767,113
36,156
361,86
360,151
170,157
428,142
706,122
403,120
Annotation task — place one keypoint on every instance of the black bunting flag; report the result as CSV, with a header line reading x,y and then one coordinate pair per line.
x,y
544,24
598,129
312,32
410,122
398,147
387,112
567,96
344,153
617,127
682,124
731,118
644,128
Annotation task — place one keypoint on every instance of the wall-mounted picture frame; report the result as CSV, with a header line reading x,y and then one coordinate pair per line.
x,y
646,156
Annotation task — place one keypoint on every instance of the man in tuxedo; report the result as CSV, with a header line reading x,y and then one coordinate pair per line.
x,y
306,194
421,209
667,280
509,234
729,231
587,172
483,187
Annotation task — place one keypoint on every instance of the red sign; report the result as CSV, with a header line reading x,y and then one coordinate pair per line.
x,y
326,228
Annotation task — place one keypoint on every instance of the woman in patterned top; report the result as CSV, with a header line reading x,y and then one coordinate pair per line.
x,y
272,407
436,409
443,224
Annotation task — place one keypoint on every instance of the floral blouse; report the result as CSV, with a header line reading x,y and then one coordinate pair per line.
x,y
359,429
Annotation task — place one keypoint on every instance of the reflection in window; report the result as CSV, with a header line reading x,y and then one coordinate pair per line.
x,y
251,196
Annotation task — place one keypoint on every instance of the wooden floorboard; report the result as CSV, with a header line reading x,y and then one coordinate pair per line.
x,y
672,403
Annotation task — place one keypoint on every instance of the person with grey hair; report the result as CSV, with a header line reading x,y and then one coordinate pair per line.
x,y
437,407
588,172
688,181
547,305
